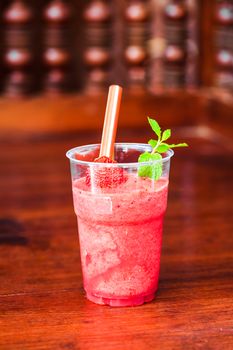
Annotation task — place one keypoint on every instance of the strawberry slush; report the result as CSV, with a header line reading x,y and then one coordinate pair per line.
x,y
120,233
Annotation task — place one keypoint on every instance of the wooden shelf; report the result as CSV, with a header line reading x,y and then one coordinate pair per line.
x,y
67,113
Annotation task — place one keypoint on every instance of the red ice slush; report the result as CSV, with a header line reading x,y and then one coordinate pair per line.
x,y
120,233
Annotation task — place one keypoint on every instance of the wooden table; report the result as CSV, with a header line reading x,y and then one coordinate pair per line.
x,y
42,303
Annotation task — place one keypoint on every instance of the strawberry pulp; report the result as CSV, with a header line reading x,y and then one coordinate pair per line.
x,y
105,177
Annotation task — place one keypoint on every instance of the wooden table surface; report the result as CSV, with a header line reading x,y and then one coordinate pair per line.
x,y
42,303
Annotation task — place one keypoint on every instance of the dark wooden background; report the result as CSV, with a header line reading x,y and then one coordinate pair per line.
x,y
201,31
43,90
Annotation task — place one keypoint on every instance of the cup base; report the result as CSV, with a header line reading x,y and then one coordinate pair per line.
x,y
132,301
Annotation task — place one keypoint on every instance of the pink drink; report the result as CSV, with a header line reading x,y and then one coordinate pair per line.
x,y
120,212
120,233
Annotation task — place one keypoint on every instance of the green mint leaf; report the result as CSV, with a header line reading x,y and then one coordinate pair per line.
x,y
162,148
155,126
156,169
153,170
144,171
153,143
144,157
166,134
173,145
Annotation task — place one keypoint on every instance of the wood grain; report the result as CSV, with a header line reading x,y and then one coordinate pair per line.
x,y
42,304
86,112
76,113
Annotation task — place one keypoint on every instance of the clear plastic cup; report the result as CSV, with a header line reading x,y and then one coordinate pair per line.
x,y
120,220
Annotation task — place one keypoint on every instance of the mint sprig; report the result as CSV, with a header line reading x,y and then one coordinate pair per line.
x,y
155,169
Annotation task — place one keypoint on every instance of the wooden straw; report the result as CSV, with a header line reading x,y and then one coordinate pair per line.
x,y
110,121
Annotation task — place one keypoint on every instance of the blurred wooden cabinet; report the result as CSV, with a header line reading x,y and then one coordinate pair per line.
x,y
76,45
177,55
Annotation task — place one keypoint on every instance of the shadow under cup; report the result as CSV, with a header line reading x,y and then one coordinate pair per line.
x,y
120,220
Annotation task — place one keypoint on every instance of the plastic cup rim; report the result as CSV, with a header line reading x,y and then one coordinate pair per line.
x,y
70,153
